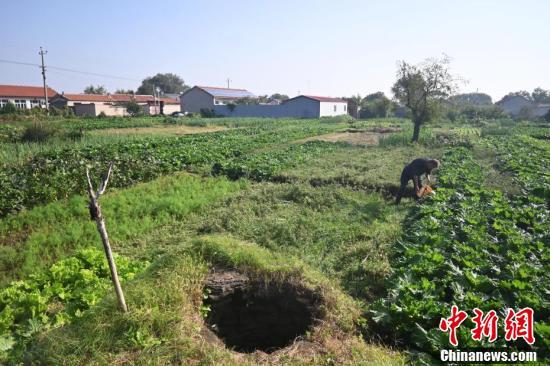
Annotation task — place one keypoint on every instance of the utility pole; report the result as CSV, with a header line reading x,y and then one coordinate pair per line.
x,y
42,53
228,81
155,99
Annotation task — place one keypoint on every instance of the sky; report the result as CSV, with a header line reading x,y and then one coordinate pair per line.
x,y
328,48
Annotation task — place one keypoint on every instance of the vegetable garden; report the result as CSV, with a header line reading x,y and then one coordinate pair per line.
x,y
322,213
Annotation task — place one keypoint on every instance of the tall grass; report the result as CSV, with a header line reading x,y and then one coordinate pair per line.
x,y
342,233
20,152
36,238
404,137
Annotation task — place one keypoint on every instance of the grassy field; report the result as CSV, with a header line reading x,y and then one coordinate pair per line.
x,y
302,218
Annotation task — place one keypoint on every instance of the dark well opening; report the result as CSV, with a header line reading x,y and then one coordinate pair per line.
x,y
250,315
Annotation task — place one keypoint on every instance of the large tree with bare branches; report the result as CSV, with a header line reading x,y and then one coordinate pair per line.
x,y
422,87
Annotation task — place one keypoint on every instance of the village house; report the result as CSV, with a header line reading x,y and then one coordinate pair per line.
x,y
24,97
206,97
311,106
114,104
224,102
302,106
516,105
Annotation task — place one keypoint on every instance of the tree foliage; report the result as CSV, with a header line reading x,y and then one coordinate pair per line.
x,y
422,88
540,95
124,91
100,89
248,100
472,99
167,83
133,108
376,105
279,97
522,93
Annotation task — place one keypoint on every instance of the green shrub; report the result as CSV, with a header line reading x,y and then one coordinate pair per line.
x,y
54,111
207,112
134,109
171,121
37,133
9,108
76,134
9,133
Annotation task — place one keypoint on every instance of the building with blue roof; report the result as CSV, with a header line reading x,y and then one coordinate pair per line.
x,y
206,97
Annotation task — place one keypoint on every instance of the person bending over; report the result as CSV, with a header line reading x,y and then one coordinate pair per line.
x,y
414,171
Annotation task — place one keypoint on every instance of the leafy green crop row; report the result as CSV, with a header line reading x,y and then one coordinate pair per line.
x,y
58,174
529,159
471,247
56,296
266,165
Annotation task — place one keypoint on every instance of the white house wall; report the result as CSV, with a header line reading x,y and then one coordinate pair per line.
x,y
196,99
333,109
28,102
171,108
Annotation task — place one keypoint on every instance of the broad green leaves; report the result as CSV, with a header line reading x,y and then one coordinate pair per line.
x,y
56,296
471,247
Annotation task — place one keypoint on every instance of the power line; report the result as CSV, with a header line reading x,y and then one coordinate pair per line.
x,y
69,70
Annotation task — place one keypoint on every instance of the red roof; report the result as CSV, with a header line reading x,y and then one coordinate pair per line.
x,y
25,91
117,98
324,99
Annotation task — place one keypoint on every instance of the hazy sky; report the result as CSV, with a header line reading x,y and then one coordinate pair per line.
x,y
333,48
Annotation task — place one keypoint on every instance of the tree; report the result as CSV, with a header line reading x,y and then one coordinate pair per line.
x,y
167,83
375,105
100,89
262,99
540,95
421,88
522,93
247,100
279,97
124,91
133,108
472,99
356,99
374,96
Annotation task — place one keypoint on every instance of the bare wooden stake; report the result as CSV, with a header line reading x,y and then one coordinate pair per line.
x,y
95,214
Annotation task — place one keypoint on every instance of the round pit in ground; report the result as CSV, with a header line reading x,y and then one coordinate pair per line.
x,y
256,315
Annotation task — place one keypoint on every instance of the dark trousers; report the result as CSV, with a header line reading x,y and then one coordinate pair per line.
x,y
404,182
